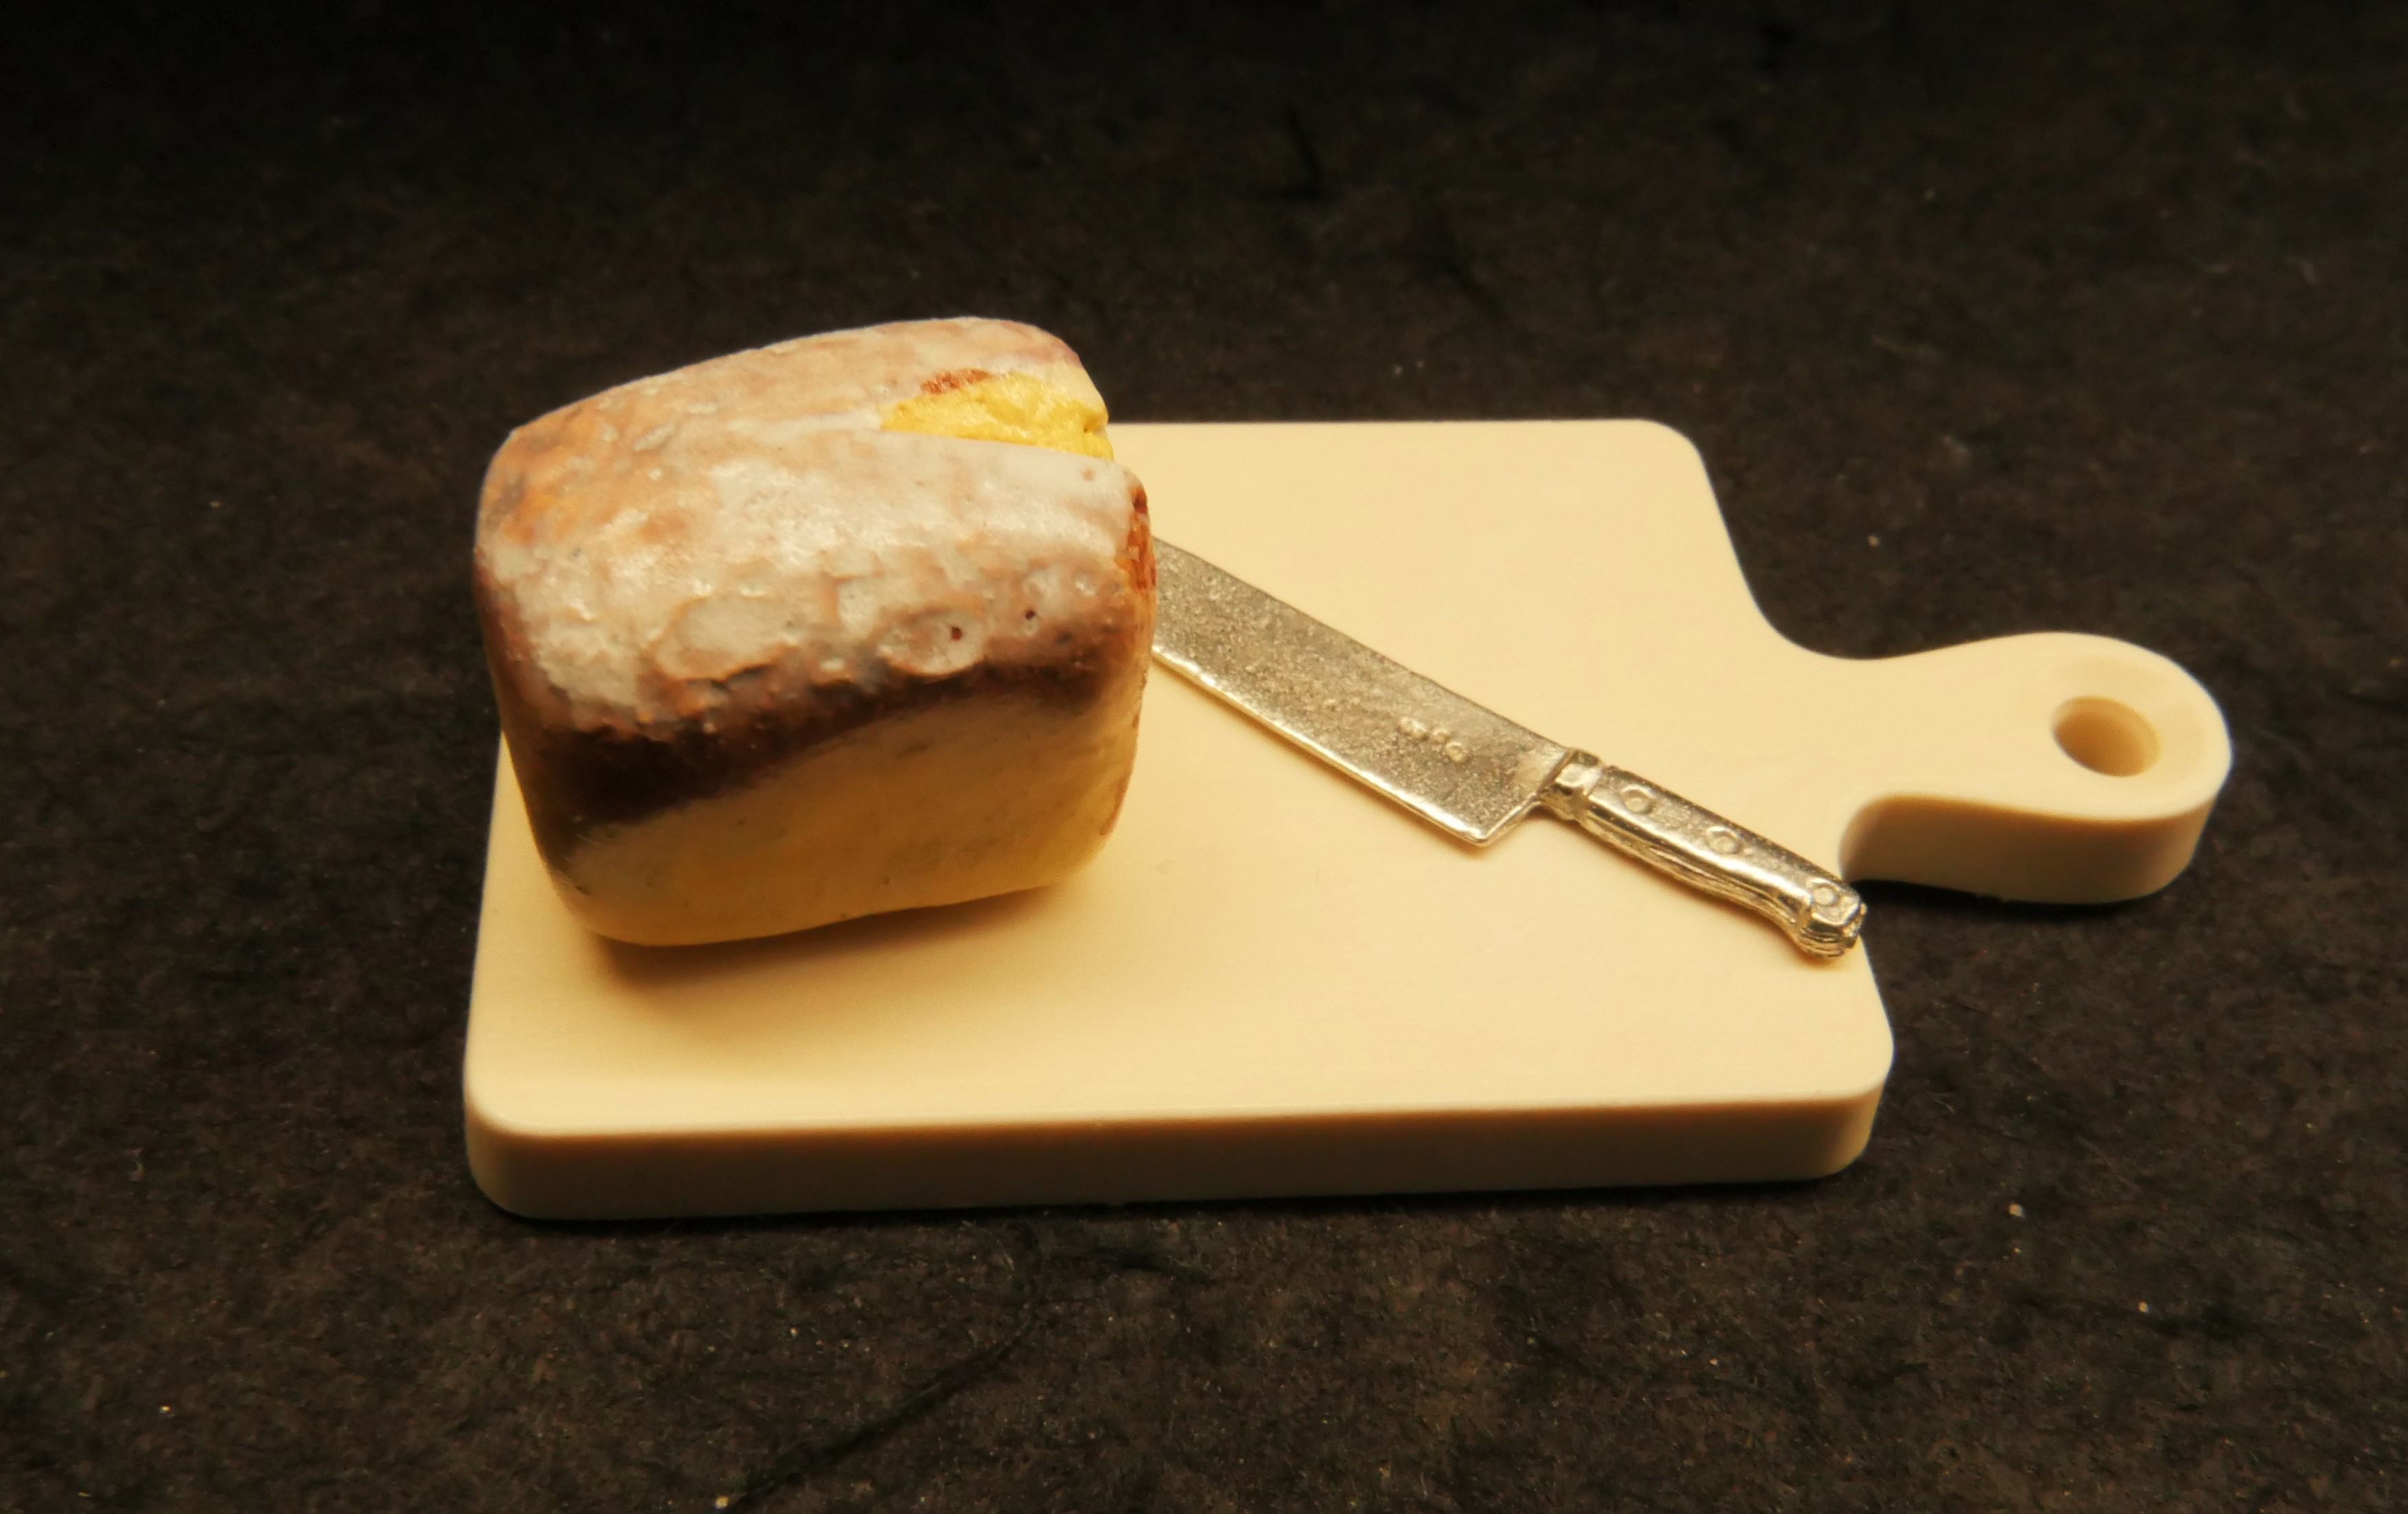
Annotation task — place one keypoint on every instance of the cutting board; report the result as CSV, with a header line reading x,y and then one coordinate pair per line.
x,y
1273,982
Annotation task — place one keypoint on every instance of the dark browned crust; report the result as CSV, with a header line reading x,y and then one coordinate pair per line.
x,y
945,383
579,780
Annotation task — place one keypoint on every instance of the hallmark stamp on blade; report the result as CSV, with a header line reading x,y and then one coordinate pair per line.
x,y
1439,738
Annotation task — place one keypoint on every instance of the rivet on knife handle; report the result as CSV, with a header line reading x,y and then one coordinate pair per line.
x,y
1818,912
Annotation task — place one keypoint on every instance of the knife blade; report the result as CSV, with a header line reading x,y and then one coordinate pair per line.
x,y
1462,767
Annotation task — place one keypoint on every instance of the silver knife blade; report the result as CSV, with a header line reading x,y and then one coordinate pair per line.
x,y
1467,770
1463,767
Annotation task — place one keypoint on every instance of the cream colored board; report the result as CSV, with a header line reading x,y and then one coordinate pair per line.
x,y
1271,981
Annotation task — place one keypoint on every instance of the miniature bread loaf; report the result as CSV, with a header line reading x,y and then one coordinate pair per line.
x,y
851,624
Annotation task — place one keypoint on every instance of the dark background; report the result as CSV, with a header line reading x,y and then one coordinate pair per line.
x,y
2094,315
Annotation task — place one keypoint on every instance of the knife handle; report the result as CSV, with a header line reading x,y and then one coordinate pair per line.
x,y
1820,914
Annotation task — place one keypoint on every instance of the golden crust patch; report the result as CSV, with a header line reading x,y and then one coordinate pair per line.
x,y
1017,408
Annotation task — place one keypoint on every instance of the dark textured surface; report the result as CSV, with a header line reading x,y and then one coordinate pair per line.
x,y
2096,317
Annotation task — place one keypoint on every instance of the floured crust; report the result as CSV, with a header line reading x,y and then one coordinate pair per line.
x,y
692,581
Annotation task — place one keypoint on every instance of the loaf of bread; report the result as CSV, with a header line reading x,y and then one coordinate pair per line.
x,y
852,624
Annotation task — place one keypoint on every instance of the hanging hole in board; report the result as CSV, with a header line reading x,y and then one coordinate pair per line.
x,y
2106,737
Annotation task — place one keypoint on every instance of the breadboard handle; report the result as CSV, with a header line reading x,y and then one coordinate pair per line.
x,y
2048,766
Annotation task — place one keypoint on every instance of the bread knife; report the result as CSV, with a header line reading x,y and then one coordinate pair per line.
x,y
1467,770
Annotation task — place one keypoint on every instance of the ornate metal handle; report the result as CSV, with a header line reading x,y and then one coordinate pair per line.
x,y
1820,915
